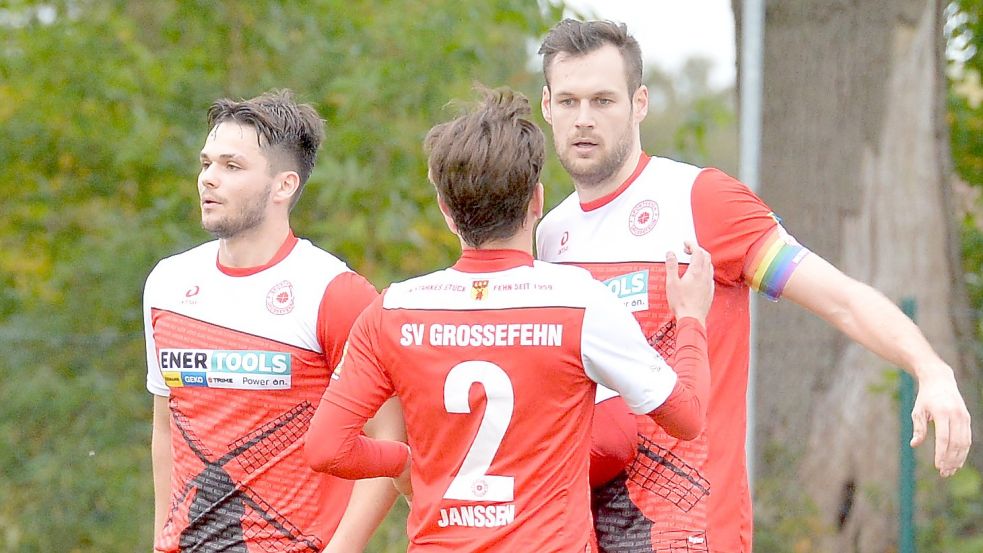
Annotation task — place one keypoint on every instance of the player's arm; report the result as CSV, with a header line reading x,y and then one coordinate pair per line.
x,y
868,317
162,459
683,414
614,433
359,387
345,298
365,510
618,356
161,452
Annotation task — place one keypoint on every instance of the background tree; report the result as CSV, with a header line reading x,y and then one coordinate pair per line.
x,y
856,158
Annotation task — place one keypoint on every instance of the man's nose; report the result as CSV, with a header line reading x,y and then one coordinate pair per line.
x,y
585,117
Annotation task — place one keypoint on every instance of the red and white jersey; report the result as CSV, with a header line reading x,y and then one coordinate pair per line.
x,y
244,356
680,495
495,362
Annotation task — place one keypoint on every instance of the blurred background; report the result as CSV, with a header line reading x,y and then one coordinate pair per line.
x,y
872,150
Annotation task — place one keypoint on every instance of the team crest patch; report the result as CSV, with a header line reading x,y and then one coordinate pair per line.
x,y
643,217
280,299
479,289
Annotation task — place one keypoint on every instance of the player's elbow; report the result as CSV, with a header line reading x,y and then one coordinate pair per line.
x,y
323,458
685,432
684,421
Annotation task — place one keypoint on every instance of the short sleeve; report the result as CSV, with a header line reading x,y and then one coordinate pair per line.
x,y
361,384
155,380
617,356
745,239
345,297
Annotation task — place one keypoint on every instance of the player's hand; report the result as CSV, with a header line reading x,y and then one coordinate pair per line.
x,y
938,400
691,294
403,483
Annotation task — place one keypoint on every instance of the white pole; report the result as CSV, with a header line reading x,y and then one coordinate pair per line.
x,y
751,47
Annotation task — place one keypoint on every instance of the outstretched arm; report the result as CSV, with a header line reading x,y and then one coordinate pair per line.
x,y
873,321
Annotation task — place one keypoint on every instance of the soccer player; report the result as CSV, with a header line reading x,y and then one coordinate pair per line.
x,y
495,360
693,496
242,335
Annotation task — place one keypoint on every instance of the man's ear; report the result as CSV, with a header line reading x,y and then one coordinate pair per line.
x,y
545,105
286,185
640,103
446,212
538,201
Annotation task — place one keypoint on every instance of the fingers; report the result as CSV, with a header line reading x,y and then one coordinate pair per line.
x,y
942,452
672,266
952,440
919,428
952,437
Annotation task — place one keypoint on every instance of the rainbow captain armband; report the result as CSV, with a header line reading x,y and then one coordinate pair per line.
x,y
771,262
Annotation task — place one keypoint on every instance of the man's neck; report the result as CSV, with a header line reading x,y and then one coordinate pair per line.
x,y
252,248
521,241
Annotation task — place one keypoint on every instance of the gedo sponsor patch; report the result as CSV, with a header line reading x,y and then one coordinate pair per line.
x,y
238,369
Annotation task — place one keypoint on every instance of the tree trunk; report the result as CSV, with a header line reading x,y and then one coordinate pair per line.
x,y
855,160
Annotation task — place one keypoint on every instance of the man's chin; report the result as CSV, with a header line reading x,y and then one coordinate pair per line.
x,y
585,174
217,231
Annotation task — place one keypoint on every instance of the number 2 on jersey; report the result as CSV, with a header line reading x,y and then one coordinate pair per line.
x,y
472,482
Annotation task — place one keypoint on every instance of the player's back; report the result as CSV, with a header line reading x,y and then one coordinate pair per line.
x,y
489,371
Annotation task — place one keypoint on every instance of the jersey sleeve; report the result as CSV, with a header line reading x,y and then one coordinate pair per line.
x,y
743,236
155,380
613,435
683,414
617,356
345,297
335,443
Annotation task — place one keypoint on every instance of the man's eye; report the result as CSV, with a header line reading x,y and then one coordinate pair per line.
x,y
566,102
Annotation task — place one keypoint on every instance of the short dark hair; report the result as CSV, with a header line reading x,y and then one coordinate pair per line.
x,y
578,38
292,132
486,164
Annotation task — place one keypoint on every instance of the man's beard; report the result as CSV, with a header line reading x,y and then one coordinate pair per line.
x,y
604,168
249,216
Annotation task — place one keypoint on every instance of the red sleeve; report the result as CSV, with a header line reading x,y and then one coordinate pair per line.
x,y
729,219
335,445
344,298
334,442
684,412
613,437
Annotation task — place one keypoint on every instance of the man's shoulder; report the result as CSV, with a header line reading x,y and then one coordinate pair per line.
x,y
189,258
567,207
309,252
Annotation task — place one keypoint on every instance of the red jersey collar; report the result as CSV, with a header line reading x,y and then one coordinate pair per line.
x,y
280,255
490,261
643,160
